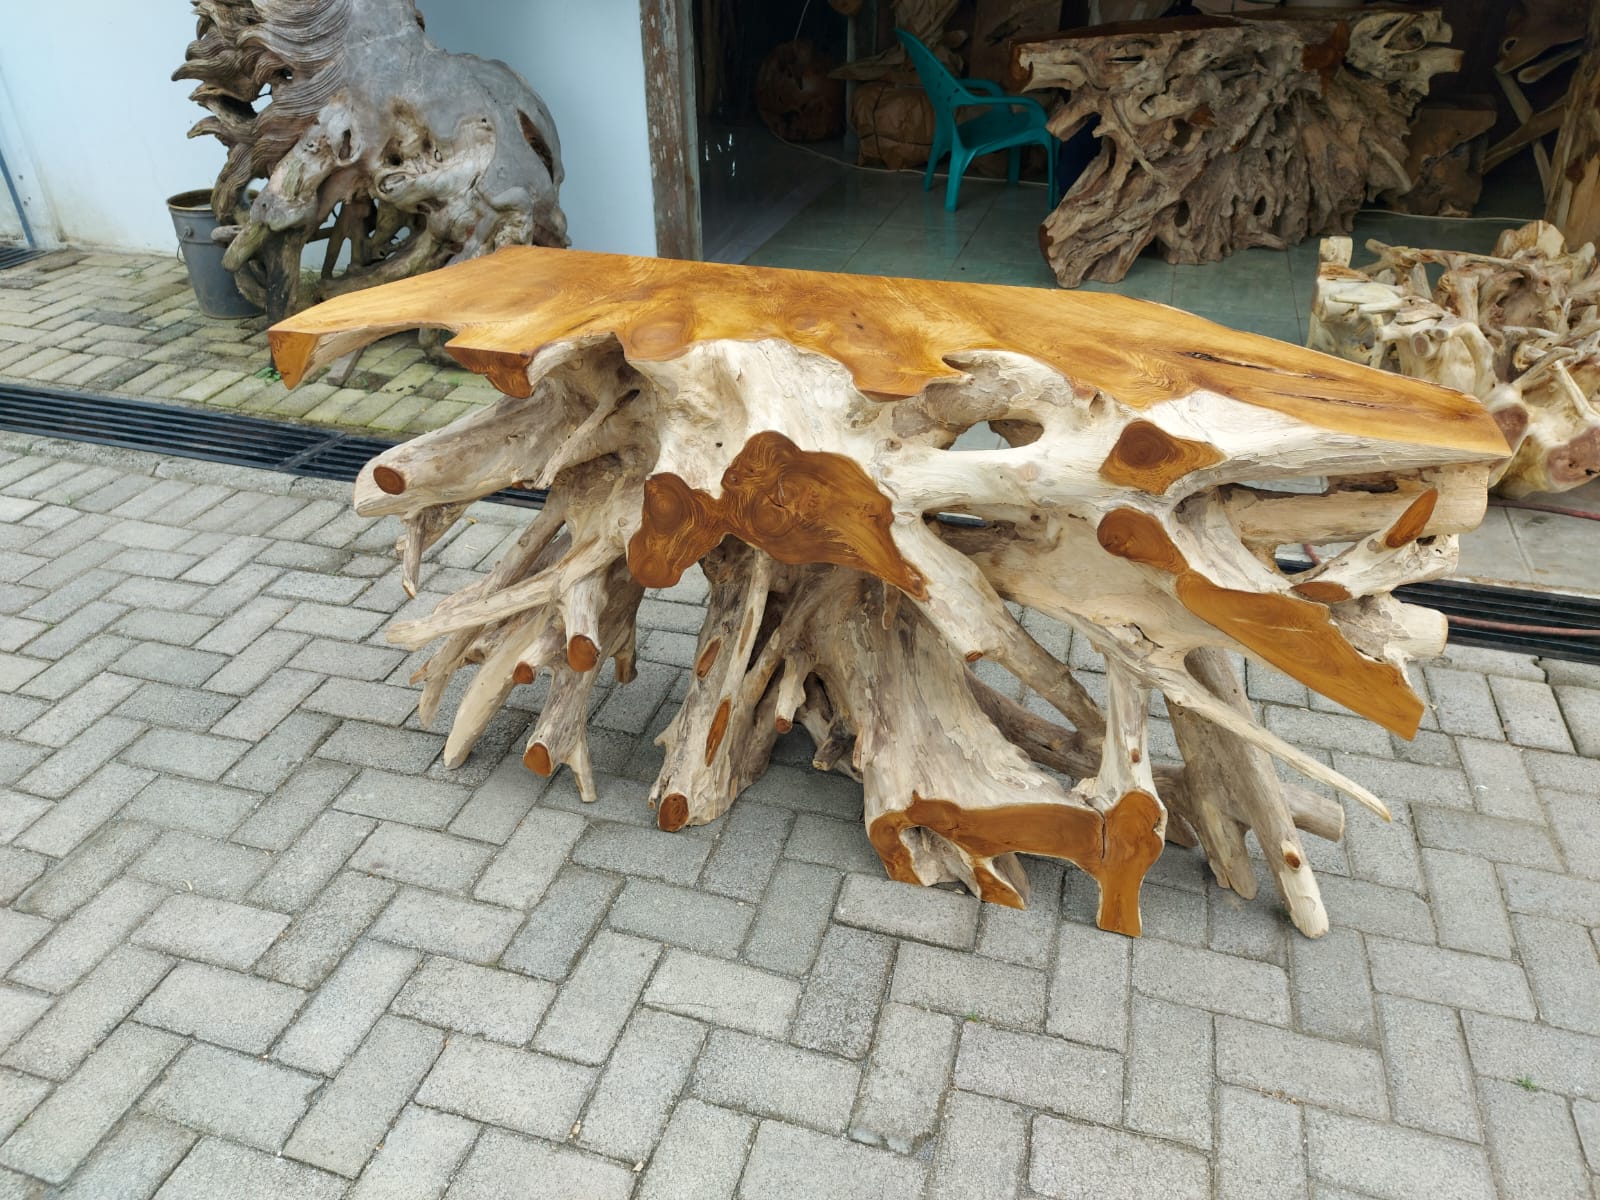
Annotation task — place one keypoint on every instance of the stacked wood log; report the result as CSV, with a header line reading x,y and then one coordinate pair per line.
x,y
371,139
791,432
1220,133
1519,329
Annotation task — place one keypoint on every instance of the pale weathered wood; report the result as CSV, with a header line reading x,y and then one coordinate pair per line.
x,y
1573,195
371,138
1519,329
791,433
1221,133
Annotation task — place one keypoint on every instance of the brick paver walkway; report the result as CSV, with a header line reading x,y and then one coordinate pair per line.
x,y
257,942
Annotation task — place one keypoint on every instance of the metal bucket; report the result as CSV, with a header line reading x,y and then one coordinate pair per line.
x,y
213,283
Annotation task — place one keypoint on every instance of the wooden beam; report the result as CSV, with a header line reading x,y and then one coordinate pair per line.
x,y
668,35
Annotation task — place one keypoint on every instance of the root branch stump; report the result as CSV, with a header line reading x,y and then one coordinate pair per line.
x,y
791,432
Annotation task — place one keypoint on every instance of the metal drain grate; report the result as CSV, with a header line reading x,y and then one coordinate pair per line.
x,y
220,437
225,437
15,256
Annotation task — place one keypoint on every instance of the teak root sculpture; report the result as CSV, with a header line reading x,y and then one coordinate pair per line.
x,y
420,157
791,431
1519,329
1220,133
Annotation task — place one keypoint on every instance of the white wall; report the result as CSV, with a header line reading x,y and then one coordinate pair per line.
x,y
585,58
92,125
93,129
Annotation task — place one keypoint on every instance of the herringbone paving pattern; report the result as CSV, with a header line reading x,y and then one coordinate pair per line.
x,y
256,941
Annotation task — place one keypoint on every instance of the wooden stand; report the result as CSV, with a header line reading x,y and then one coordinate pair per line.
x,y
791,432
1220,133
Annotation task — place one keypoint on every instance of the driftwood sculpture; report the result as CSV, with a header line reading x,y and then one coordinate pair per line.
x,y
418,157
1519,329
1220,133
790,431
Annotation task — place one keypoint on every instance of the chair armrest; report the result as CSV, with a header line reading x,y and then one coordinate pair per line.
x,y
1009,101
984,87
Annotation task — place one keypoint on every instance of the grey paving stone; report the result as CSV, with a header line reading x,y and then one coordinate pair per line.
x,y
1449,977
233,1095
1529,713
1026,936
350,1117
478,1000
981,1150
77,1023
69,767
371,663
1412,782
524,868
1499,781
238,1011
83,812
793,918
1467,907
1089,987
966,986
617,799
842,845
1392,1163
1545,894
1586,1115
87,706
317,939
1382,851
180,708
208,809
403,798
1430,1080
18,868
17,812
838,1011
421,856
21,1009
446,925
776,1080
1204,979
678,916
1580,706
788,1163
722,993
1487,837
922,914
561,924
1552,1059
169,664
418,1158
635,1096
301,870
1169,1072
1040,1072
1260,1147
700,1156
648,852
214,931
366,745
502,1086
181,752
298,786
747,850
217,1168
259,713
908,1073
1532,1143
1313,1070
63,1130
1575,821
1331,988
1083,1160
594,1004
83,939
205,865
19,933
500,1162
1559,958
133,1162
1463,703
345,1007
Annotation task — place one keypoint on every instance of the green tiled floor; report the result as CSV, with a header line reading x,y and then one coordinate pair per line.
x,y
877,223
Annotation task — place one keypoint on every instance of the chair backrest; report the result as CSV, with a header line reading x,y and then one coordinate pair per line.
x,y
944,89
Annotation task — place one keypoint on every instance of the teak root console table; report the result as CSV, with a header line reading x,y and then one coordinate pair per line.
x,y
791,432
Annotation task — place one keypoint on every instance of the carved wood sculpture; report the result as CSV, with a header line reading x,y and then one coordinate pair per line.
x,y
420,157
791,432
1519,329
1574,192
1220,133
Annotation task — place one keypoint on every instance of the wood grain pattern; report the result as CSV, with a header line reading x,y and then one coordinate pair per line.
x,y
893,335
1149,458
799,506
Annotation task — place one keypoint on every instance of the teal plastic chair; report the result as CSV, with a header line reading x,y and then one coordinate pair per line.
x,y
1011,123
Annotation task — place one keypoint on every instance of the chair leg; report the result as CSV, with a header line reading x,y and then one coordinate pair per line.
x,y
935,153
1014,165
958,164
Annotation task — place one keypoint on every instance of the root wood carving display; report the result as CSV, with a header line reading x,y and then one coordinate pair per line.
x,y
791,432
1221,133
